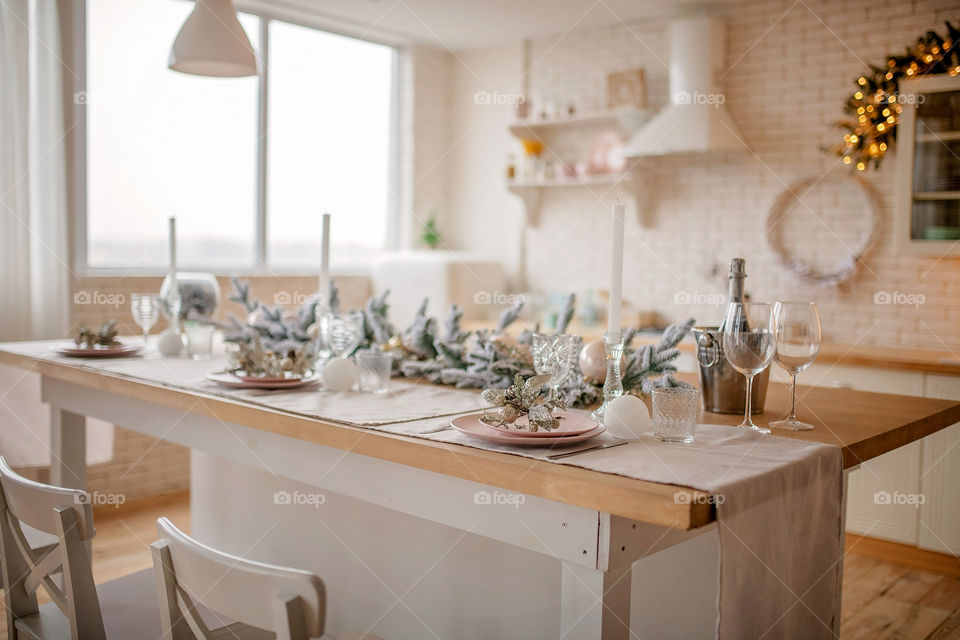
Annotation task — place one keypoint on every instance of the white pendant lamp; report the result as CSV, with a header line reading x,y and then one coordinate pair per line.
x,y
212,43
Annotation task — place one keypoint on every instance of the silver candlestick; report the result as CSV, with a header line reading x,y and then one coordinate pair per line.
x,y
613,385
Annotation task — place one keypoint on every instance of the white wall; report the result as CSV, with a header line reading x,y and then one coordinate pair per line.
x,y
792,67
481,213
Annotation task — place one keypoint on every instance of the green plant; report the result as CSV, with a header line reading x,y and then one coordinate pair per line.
x,y
430,235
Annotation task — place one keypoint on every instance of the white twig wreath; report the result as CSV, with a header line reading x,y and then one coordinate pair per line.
x,y
801,270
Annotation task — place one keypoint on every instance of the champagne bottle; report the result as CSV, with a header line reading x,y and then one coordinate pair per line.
x,y
738,273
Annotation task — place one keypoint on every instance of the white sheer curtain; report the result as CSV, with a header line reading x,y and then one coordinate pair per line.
x,y
34,259
34,286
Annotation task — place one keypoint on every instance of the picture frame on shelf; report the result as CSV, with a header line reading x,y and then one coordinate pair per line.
x,y
627,89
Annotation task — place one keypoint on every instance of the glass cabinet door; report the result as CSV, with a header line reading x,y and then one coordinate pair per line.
x,y
935,203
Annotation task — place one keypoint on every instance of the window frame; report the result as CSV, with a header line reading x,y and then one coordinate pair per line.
x,y
74,40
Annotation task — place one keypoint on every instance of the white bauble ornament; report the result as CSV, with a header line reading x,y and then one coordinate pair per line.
x,y
627,417
257,316
340,374
170,343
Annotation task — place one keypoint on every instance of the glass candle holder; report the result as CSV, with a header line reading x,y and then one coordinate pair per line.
x,y
374,370
199,340
613,384
675,414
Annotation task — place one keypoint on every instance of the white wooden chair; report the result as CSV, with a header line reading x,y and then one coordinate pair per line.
x,y
122,609
197,584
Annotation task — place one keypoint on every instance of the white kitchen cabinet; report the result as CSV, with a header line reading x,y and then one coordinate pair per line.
x,y
893,474
884,494
939,527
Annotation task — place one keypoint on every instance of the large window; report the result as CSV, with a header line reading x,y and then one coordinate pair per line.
x,y
161,143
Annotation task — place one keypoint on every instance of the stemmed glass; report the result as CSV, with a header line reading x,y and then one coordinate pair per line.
x,y
797,329
145,308
556,355
748,342
344,333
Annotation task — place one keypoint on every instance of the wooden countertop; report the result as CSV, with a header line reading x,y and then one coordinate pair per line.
x,y
865,425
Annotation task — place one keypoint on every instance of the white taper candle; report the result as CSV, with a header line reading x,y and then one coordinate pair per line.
x,y
172,240
616,268
324,286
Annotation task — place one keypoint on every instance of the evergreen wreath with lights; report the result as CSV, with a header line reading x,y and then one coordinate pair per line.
x,y
875,106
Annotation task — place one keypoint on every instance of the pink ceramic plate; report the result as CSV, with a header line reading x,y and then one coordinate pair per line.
x,y
97,352
233,382
571,424
472,426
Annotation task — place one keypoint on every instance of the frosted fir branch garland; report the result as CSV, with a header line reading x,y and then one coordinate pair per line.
x,y
480,359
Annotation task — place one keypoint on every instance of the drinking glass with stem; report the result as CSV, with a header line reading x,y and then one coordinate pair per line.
x,y
145,308
748,344
797,330
556,355
344,333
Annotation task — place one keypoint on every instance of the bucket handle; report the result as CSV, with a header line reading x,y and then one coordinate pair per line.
x,y
704,342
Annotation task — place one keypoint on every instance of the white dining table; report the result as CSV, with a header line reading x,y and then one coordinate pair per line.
x,y
632,556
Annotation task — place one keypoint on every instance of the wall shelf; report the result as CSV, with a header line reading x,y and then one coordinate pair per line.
x,y
627,119
942,136
531,191
936,195
598,179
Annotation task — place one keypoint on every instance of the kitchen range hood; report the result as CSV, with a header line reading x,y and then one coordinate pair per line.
x,y
697,119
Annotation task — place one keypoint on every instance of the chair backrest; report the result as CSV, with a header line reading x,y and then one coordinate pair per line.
x,y
67,514
288,602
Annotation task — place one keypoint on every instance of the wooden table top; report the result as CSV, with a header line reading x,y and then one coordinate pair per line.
x,y
864,424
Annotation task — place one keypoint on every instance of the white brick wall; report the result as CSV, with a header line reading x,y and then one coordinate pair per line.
x,y
426,124
793,64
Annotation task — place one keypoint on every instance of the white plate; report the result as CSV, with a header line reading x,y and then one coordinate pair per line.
x,y
233,382
472,426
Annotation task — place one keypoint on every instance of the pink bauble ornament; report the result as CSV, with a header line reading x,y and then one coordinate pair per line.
x,y
593,361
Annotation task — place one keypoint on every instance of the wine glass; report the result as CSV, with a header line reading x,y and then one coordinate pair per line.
x,y
145,308
555,355
748,341
344,331
797,329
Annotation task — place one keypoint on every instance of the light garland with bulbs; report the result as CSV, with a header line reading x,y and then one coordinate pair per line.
x,y
876,104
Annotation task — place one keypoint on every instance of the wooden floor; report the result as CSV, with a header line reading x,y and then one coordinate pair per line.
x,y
881,600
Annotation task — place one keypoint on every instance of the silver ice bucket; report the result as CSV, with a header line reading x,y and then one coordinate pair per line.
x,y
723,389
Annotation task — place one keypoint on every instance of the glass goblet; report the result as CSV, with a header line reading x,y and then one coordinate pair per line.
x,y
145,309
797,329
344,331
748,343
555,355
